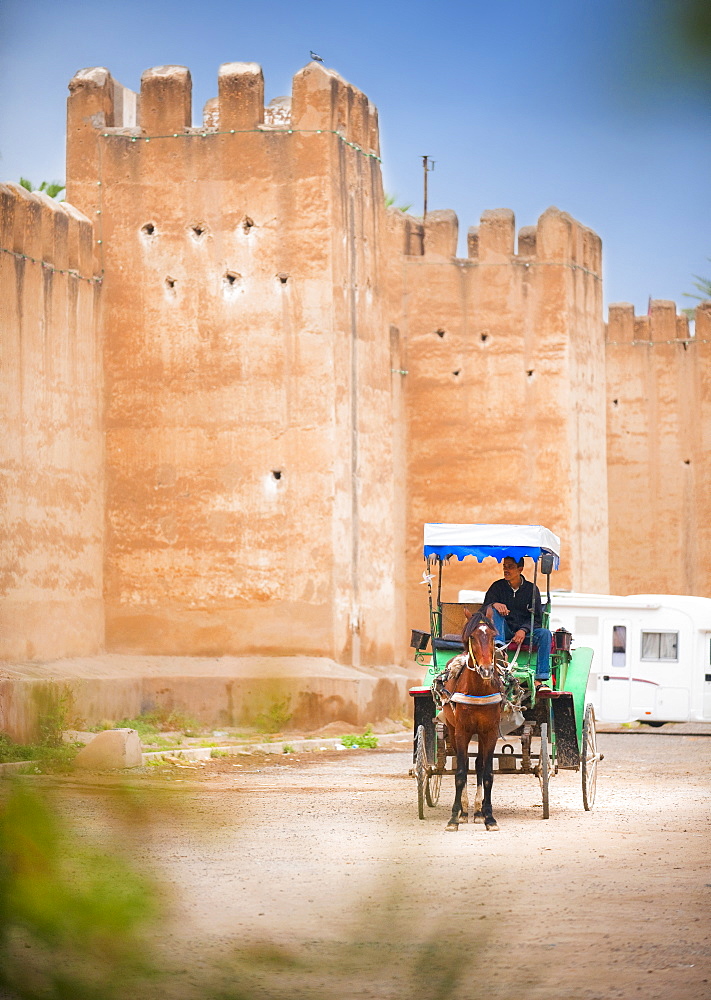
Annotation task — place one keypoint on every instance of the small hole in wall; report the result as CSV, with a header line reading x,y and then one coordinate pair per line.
x,y
149,229
440,333
198,231
170,282
687,461
457,372
615,402
231,278
247,224
484,337
529,372
283,277
276,473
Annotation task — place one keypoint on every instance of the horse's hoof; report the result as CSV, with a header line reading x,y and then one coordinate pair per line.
x,y
478,817
492,827
451,827
464,818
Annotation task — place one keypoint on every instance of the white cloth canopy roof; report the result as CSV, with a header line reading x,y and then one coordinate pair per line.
x,y
498,540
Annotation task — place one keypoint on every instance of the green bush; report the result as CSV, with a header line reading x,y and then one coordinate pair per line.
x,y
275,717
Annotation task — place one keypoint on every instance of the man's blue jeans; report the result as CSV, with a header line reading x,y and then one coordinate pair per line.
x,y
541,639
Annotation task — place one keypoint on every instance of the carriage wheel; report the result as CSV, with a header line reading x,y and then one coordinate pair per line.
x,y
420,770
544,769
589,758
432,787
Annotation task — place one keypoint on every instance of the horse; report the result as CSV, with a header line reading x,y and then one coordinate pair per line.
x,y
474,697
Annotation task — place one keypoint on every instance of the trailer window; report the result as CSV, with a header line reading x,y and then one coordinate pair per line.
x,y
660,645
619,645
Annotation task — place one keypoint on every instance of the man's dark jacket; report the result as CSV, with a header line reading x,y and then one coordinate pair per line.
x,y
519,604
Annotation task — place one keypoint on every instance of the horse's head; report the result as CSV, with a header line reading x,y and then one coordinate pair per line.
x,y
478,639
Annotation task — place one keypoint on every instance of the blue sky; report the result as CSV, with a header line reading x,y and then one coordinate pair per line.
x,y
583,104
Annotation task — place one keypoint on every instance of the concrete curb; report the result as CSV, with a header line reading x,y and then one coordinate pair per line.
x,y
313,745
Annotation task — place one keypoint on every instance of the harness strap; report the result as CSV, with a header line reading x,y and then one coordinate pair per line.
x,y
476,699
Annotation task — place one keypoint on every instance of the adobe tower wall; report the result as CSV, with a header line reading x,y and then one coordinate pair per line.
x,y
51,457
505,390
250,496
658,443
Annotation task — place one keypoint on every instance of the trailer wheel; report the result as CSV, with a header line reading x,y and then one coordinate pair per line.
x,y
589,758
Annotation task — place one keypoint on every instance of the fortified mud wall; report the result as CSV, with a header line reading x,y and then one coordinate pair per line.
x,y
505,391
658,446
51,452
251,505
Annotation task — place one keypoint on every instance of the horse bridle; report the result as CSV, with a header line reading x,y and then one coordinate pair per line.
x,y
478,668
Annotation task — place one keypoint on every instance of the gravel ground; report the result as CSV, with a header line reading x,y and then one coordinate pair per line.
x,y
323,854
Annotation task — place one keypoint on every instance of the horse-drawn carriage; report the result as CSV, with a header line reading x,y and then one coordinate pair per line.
x,y
519,728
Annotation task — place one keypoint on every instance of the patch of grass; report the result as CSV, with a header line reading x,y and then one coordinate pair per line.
x,y
219,753
275,717
12,752
162,742
367,740
287,748
54,705
160,720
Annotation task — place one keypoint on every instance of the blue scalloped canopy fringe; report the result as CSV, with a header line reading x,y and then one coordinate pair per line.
x,y
482,552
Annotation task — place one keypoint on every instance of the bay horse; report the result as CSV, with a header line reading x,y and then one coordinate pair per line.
x,y
474,706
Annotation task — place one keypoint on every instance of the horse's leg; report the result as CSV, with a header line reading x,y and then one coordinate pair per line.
x,y
461,745
487,746
478,814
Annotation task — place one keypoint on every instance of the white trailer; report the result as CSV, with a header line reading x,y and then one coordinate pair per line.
x,y
652,657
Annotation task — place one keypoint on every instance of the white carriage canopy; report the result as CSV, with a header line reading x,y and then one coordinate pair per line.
x,y
457,541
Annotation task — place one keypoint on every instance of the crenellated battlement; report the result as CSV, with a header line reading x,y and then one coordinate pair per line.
x,y
321,101
39,230
556,238
662,324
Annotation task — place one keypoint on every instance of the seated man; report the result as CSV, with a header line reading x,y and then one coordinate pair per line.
x,y
511,600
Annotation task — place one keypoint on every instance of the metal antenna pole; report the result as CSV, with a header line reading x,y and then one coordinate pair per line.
x,y
427,166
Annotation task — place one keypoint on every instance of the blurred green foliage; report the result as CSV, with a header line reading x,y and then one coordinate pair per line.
x,y
50,188
70,917
80,921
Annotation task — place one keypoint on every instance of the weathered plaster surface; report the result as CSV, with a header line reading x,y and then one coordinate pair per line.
x,y
51,450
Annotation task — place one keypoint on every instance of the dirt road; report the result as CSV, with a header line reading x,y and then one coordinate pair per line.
x,y
324,848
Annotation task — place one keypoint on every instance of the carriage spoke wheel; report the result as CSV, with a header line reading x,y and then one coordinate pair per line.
x,y
432,787
589,758
544,769
420,770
